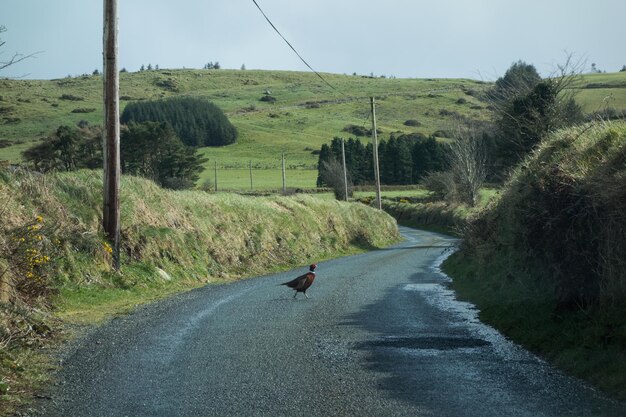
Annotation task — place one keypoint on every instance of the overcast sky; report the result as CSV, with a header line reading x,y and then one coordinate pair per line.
x,y
407,38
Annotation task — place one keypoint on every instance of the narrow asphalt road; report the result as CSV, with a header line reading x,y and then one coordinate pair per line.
x,y
382,335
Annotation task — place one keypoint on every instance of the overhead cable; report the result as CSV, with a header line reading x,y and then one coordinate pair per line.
x,y
292,48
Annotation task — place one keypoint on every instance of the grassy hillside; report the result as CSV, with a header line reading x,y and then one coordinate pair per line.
x,y
58,260
545,261
306,113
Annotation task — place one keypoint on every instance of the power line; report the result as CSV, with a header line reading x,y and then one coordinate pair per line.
x,y
294,49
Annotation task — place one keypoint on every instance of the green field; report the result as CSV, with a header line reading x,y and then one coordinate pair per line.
x,y
306,113
596,92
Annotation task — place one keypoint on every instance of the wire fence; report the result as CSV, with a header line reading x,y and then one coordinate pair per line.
x,y
256,179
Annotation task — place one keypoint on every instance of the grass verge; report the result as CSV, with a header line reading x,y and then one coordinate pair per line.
x,y
517,298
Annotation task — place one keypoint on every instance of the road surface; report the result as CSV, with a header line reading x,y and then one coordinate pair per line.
x,y
381,335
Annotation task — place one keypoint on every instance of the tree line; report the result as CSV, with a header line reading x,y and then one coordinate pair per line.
x,y
405,159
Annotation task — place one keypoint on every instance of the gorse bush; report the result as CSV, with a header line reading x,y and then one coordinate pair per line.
x,y
196,121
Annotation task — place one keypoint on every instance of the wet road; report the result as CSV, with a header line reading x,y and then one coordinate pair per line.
x,y
381,336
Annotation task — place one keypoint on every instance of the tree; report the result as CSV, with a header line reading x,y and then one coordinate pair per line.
x,y
243,67
518,80
525,119
212,65
142,68
15,58
197,122
95,72
468,164
331,173
68,149
427,156
149,67
324,156
623,69
152,150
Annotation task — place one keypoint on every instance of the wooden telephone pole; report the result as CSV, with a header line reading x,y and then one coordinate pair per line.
x,y
375,152
345,171
251,175
284,179
111,143
215,175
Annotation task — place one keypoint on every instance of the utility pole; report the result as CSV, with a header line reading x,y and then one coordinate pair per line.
x,y
284,179
251,175
111,142
215,176
345,171
375,152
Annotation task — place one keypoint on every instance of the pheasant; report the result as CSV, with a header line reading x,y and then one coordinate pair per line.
x,y
303,282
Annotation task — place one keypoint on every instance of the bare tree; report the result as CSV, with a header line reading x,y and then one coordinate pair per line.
x,y
468,163
16,57
332,174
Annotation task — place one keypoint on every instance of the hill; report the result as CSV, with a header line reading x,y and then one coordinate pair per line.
x,y
306,113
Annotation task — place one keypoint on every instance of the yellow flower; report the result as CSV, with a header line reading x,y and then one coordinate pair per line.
x,y
107,247
39,219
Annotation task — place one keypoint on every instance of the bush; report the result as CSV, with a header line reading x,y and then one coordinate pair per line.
x,y
443,185
442,134
268,99
169,84
412,122
359,130
70,97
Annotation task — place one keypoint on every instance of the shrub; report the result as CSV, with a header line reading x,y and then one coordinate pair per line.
x,y
442,184
169,84
268,99
71,97
359,130
412,122
442,134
